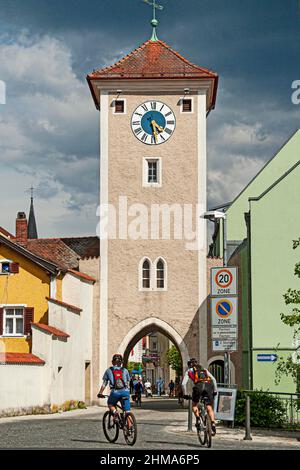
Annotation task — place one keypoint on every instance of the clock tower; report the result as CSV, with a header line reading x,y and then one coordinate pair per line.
x,y
153,107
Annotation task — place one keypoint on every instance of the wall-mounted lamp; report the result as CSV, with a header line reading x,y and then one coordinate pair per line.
x,y
186,91
119,93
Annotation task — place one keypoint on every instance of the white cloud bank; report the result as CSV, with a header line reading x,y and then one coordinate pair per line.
x,y
48,137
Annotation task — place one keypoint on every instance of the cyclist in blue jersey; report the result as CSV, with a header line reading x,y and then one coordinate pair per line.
x,y
118,378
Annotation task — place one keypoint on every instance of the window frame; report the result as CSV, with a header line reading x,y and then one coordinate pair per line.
x,y
141,275
114,107
153,275
5,316
5,261
146,161
191,98
165,271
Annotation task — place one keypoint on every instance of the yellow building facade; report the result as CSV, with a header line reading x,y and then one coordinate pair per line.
x,y
25,283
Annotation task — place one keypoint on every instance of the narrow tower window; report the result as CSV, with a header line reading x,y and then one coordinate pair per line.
x,y
146,274
160,274
119,107
187,105
152,171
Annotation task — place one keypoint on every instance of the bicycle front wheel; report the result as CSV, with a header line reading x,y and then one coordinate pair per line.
x,y
201,431
130,429
208,431
110,427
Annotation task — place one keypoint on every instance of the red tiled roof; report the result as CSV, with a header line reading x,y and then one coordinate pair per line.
x,y
52,330
64,304
81,275
20,358
153,59
55,251
85,247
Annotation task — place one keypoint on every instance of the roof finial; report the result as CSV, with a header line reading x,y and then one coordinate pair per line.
x,y
154,21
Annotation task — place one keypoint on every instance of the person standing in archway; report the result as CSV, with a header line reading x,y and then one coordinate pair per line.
x,y
159,385
171,389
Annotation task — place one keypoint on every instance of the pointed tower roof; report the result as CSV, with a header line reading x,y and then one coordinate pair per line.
x,y
153,60
32,230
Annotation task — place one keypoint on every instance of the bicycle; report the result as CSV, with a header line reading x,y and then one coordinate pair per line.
x,y
112,423
203,426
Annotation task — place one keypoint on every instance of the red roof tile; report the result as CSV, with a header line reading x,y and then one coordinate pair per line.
x,y
81,275
153,59
55,251
85,247
65,305
52,330
20,358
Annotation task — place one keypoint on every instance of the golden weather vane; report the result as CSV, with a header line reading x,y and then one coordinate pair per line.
x,y
154,21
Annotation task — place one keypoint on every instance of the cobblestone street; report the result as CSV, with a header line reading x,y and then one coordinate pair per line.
x,y
161,425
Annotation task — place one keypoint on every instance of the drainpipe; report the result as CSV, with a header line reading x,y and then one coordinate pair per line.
x,y
249,316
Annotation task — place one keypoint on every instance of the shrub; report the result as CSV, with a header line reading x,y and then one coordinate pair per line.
x,y
267,411
81,405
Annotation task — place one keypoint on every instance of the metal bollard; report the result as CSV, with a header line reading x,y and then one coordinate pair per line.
x,y
190,416
248,426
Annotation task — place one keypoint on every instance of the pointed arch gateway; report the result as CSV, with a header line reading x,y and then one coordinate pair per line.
x,y
147,326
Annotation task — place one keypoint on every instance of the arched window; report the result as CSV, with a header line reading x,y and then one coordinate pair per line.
x,y
160,274
146,274
216,368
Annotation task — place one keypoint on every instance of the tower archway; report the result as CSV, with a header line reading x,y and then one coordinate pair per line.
x,y
147,326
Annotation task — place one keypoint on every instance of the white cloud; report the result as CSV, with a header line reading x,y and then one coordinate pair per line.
x,y
48,136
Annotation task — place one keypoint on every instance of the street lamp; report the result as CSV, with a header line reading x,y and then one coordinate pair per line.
x,y
218,215
213,216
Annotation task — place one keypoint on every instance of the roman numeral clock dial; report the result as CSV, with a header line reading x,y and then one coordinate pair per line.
x,y
153,122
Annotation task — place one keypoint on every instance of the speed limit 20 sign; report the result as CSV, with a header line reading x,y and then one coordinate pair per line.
x,y
224,281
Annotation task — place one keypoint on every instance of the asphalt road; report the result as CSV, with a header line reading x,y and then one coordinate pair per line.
x,y
161,425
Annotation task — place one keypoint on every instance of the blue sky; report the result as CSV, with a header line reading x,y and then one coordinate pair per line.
x,y
49,127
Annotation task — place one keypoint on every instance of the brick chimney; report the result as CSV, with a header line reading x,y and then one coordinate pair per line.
x,y
21,229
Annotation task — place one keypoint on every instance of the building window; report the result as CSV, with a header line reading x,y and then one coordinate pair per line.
x,y
187,106
8,267
160,274
146,274
119,106
14,321
152,172
216,368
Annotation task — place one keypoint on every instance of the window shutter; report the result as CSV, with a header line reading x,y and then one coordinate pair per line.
x,y
187,105
119,106
14,268
1,321
28,319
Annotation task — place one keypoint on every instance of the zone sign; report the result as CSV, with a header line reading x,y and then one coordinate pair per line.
x,y
224,281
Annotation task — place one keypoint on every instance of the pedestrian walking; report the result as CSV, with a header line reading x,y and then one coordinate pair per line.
x,y
171,387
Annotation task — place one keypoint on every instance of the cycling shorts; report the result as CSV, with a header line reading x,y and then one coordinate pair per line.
x,y
118,395
201,390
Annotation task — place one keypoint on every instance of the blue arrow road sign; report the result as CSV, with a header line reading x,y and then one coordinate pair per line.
x,y
267,357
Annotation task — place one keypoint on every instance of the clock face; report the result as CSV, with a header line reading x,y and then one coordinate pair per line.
x,y
153,122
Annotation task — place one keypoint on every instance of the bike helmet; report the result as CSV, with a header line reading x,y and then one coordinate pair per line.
x,y
193,362
117,358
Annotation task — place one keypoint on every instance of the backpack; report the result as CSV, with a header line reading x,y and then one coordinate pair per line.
x,y
199,375
118,378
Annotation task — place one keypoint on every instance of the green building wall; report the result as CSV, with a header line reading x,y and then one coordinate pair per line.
x,y
274,224
287,156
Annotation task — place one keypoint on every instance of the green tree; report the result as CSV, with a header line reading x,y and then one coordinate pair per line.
x,y
290,366
134,366
174,360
